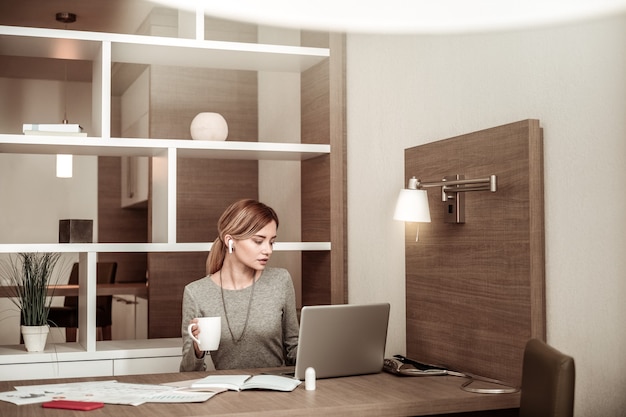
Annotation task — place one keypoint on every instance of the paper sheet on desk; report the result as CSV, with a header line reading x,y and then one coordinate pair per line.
x,y
23,398
33,394
109,392
185,386
177,396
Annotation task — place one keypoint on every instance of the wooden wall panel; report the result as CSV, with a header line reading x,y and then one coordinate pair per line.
x,y
323,179
169,273
475,291
205,187
116,224
338,170
315,182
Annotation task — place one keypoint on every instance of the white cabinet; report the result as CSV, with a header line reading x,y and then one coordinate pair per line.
x,y
130,315
70,360
104,50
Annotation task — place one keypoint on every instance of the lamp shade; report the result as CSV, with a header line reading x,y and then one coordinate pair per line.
x,y
412,206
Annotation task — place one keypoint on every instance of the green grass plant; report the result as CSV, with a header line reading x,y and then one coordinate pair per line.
x,y
29,275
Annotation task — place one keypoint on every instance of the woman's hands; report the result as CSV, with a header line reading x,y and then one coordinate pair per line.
x,y
195,331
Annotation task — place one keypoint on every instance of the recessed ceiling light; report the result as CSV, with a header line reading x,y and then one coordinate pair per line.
x,y
66,17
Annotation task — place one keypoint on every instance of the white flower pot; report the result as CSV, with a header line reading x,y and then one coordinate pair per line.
x,y
35,337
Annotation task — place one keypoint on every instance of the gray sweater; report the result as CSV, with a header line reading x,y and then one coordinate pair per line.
x,y
271,336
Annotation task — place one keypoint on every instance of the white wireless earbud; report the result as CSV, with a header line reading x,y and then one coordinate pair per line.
x,y
230,246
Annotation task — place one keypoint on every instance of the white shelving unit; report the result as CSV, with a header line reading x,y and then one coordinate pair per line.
x,y
104,50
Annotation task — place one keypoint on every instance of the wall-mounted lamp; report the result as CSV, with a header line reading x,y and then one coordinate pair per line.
x,y
412,204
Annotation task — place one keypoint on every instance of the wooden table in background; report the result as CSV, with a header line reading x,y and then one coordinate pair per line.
x,y
367,395
137,289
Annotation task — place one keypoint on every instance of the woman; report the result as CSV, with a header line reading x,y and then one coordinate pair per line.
x,y
257,304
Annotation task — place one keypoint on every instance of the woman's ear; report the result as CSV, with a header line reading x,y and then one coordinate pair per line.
x,y
228,239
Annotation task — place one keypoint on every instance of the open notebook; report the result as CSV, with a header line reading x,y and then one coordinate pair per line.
x,y
342,339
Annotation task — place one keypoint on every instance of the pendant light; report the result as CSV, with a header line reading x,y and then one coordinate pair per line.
x,y
64,162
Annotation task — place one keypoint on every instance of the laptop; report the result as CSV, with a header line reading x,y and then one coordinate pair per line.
x,y
342,339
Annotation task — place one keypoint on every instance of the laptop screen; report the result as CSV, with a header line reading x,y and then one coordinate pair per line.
x,y
342,339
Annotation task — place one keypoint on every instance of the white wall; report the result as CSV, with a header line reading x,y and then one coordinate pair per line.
x,y
404,91
32,198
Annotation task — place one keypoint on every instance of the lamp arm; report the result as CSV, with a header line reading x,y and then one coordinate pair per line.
x,y
457,186
415,196
490,181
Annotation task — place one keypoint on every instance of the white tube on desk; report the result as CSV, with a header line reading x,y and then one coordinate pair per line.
x,y
309,379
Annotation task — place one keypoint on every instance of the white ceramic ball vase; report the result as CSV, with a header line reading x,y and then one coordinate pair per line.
x,y
209,126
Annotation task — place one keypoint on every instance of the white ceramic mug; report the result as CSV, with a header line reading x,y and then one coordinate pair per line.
x,y
210,332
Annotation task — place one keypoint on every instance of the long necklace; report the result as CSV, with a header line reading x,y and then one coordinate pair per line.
x,y
245,325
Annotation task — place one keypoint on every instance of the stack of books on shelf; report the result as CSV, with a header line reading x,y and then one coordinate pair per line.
x,y
53,129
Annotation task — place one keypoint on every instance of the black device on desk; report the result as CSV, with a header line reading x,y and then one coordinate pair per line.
x,y
400,365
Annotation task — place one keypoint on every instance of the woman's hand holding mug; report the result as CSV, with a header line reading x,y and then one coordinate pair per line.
x,y
206,333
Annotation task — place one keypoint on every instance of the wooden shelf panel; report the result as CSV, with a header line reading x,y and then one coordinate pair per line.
x,y
47,43
187,148
69,44
217,54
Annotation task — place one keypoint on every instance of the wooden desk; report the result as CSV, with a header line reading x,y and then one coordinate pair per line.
x,y
369,395
138,289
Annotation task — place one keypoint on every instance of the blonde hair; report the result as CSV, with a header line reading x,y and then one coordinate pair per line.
x,y
241,220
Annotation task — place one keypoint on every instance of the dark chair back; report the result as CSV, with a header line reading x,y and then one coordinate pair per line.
x,y
105,274
548,379
104,303
72,301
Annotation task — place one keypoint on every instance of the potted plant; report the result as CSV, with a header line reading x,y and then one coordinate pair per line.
x,y
28,278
